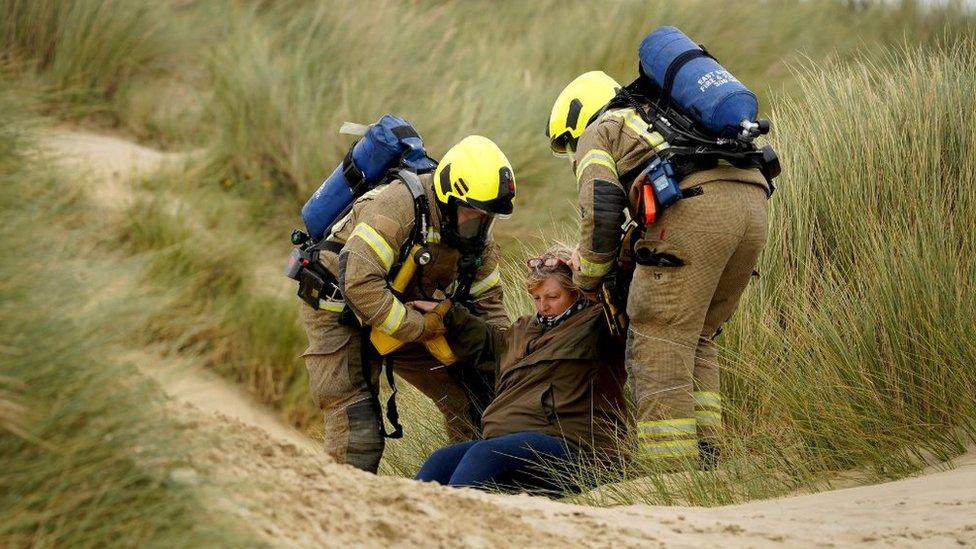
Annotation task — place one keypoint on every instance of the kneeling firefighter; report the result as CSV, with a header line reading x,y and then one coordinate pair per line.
x,y
675,150
423,232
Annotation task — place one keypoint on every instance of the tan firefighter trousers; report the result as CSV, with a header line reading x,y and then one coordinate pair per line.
x,y
352,420
702,252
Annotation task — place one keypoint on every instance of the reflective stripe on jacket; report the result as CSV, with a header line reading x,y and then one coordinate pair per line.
x,y
373,234
614,145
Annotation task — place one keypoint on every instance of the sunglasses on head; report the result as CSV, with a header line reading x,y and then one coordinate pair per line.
x,y
545,262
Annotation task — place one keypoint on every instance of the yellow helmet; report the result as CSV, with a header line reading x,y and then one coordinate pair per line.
x,y
576,107
477,173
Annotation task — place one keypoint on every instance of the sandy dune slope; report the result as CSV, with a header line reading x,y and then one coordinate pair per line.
x,y
110,162
292,495
296,497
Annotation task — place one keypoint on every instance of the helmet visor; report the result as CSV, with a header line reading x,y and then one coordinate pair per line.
x,y
472,222
563,144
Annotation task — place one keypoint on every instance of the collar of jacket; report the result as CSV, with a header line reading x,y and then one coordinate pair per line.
x,y
576,338
550,322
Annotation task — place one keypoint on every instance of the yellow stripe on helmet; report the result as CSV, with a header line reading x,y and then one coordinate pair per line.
x,y
376,241
486,283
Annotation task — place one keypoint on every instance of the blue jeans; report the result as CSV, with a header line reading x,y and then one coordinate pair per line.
x,y
509,462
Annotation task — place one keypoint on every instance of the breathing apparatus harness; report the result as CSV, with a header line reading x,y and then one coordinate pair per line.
x,y
691,148
317,283
415,249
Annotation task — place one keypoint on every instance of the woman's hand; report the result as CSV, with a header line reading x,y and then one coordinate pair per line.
x,y
423,305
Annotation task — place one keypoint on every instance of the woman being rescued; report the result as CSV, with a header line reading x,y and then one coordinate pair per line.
x,y
560,380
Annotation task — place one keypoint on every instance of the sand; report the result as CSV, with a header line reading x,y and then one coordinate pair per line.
x,y
294,497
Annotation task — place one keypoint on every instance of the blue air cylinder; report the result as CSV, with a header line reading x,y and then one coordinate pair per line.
x,y
364,166
327,203
701,87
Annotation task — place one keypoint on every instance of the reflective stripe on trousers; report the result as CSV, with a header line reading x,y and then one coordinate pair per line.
x,y
668,438
708,409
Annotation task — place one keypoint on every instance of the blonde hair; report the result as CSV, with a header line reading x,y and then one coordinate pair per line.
x,y
562,272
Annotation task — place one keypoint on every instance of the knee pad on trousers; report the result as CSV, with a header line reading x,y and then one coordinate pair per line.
x,y
365,445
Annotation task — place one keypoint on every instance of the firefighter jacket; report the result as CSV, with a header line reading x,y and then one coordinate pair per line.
x,y
566,381
372,236
612,150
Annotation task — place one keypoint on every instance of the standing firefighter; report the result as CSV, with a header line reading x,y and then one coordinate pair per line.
x,y
456,258
700,213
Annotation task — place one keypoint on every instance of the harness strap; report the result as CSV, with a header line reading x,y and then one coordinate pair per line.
x,y
683,167
327,245
627,179
672,72
391,406
468,265
353,175
417,235
421,211
392,414
405,132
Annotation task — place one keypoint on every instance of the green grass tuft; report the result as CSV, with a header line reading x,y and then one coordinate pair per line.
x,y
86,454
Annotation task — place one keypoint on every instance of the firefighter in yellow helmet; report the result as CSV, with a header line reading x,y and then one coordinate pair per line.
x,y
693,261
472,186
578,106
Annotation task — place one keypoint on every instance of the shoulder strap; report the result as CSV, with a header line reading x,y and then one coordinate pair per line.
x,y
421,209
366,355
413,182
354,176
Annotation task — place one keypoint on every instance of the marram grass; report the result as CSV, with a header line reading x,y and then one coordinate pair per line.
x,y
85,447
284,81
853,349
